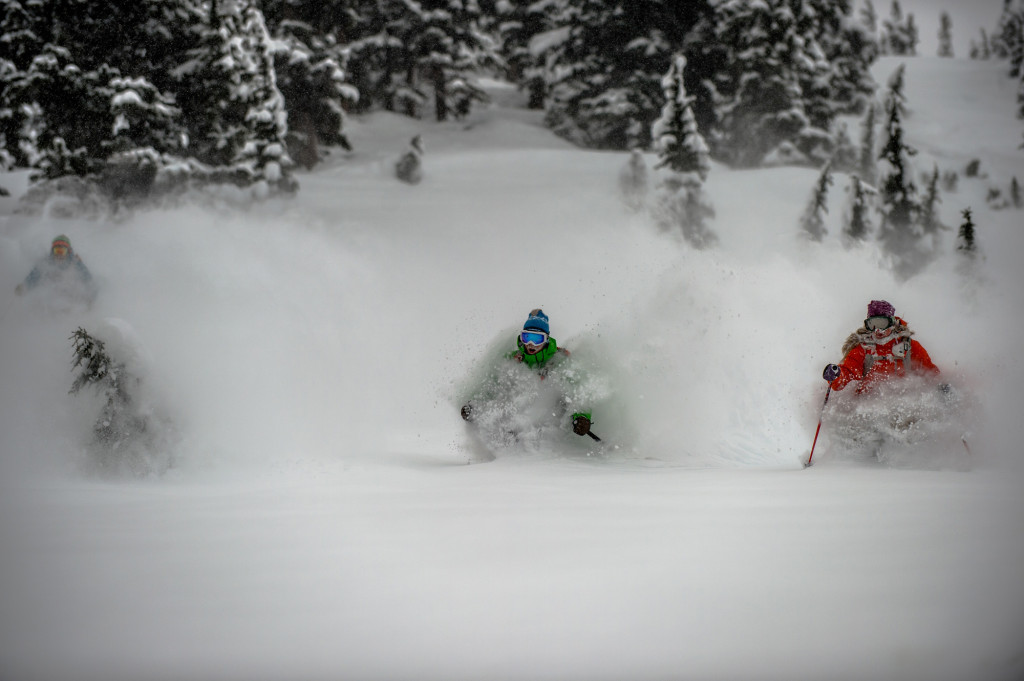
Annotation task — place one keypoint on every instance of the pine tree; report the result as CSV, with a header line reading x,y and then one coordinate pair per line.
x,y
605,64
857,220
900,230
405,54
148,132
680,146
379,61
945,35
22,37
1016,45
761,107
849,49
899,34
930,222
913,36
683,153
965,238
813,220
231,91
867,167
129,435
309,67
447,51
141,97
119,422
519,22
1008,41
869,18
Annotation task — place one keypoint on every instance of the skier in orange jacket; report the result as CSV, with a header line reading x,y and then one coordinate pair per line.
x,y
879,350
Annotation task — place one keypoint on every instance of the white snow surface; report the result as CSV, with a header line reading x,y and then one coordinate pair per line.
x,y
327,517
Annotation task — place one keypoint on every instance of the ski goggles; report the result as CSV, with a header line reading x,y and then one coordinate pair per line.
x,y
878,322
532,337
59,250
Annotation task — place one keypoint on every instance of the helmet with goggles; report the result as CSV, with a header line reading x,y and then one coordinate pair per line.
x,y
881,319
879,323
536,331
533,337
60,247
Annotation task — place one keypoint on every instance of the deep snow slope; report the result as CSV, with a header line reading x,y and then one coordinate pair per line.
x,y
320,521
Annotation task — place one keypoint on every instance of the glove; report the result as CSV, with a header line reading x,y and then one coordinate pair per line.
x,y
581,425
467,412
831,372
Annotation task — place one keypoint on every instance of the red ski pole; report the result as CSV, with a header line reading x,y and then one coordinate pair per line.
x,y
818,430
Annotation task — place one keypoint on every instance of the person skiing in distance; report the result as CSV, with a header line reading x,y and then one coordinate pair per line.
x,y
61,266
879,350
537,349
409,167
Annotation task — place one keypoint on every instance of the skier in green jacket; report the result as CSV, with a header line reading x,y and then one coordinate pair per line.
x,y
537,349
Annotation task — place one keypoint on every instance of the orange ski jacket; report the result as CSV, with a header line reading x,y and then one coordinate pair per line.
x,y
870,361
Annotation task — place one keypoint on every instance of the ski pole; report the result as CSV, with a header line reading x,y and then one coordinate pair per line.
x,y
818,430
593,436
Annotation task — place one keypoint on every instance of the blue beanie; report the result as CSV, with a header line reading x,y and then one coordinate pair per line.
x,y
537,321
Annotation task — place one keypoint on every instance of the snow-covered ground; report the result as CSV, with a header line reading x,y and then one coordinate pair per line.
x,y
327,517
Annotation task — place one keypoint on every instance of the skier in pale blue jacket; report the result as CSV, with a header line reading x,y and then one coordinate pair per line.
x,y
61,267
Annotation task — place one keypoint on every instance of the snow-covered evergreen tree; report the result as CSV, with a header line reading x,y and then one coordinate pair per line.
x,y
167,90
22,37
849,50
1008,39
945,35
899,33
857,225
682,152
966,243
868,165
309,69
448,50
230,90
813,221
407,54
900,231
869,18
126,431
680,146
519,23
604,67
147,133
62,65
760,102
931,224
